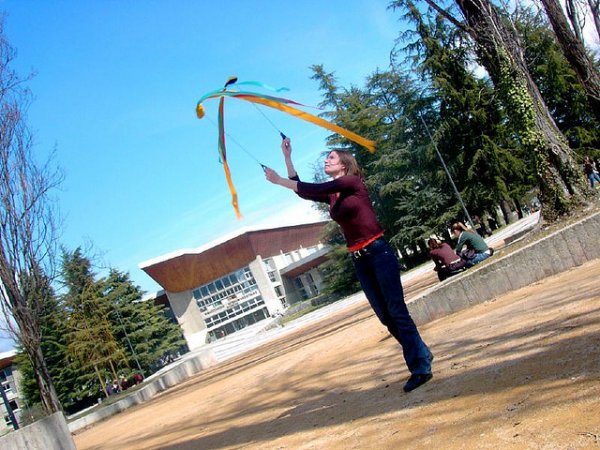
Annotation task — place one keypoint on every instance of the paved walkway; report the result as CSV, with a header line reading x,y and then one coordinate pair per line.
x,y
256,335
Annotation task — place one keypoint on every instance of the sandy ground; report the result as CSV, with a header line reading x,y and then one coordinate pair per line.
x,y
520,371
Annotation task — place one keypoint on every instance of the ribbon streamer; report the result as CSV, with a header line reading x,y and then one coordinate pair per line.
x,y
282,104
223,155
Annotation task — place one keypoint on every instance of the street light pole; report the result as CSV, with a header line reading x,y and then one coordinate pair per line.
x,y
128,341
448,174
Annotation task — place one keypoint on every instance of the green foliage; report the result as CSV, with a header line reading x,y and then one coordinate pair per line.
x,y
140,327
338,271
557,82
443,93
91,341
97,330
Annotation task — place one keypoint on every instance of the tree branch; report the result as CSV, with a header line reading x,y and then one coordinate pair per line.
x,y
457,23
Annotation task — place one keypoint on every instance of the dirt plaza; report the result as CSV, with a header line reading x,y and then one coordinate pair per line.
x,y
520,371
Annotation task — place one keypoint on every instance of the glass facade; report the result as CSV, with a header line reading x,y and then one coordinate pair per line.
x,y
230,303
234,287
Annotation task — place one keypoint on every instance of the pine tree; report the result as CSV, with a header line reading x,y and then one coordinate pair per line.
x,y
91,342
53,321
140,327
499,50
557,82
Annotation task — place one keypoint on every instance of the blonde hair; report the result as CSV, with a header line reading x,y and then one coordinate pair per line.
x,y
349,162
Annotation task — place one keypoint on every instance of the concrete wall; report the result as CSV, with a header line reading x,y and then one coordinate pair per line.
x,y
267,292
560,251
175,375
49,433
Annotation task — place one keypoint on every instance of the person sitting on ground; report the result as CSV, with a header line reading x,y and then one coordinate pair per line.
x,y
477,249
447,263
590,171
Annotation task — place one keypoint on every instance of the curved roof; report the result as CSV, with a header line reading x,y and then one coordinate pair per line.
x,y
188,269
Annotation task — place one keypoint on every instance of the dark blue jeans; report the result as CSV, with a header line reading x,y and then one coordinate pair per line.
x,y
379,274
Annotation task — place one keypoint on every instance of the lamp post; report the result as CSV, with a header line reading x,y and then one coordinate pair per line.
x,y
128,341
464,208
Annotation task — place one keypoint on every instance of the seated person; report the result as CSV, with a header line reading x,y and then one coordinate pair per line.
x,y
474,243
447,263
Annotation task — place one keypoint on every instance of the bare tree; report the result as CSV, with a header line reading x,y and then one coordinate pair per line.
x,y
27,225
595,9
573,8
574,50
499,50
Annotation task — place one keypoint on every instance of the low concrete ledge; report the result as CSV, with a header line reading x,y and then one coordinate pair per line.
x,y
175,375
49,433
562,250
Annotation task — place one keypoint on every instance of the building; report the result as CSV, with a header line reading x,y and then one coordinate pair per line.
x,y
9,381
227,285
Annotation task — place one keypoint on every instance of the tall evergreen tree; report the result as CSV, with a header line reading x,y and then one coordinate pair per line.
x,y
141,328
499,50
91,342
487,166
557,82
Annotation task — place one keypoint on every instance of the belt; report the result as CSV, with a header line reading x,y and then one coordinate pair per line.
x,y
363,251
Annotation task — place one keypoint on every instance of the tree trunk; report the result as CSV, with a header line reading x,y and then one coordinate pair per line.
x,y
573,14
518,208
574,50
506,212
561,184
48,395
101,381
595,8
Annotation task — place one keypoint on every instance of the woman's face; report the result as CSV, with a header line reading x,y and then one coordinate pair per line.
x,y
333,165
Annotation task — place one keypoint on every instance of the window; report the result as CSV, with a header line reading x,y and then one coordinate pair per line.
x,y
269,265
4,374
300,287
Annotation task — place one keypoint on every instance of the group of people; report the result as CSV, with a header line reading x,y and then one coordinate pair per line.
x,y
449,262
123,383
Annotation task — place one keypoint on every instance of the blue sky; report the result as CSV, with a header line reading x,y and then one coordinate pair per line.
x,y
115,90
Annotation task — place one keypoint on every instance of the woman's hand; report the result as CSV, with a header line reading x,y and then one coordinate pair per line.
x,y
272,176
286,147
275,178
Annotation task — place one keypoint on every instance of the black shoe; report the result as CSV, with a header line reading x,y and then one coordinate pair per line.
x,y
416,380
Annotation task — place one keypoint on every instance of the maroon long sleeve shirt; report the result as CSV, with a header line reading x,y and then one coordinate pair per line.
x,y
351,209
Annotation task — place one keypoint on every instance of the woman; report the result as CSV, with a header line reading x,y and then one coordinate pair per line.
x,y
376,265
447,263
473,242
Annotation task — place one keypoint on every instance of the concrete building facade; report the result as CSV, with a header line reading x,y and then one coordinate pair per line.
x,y
240,280
9,382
